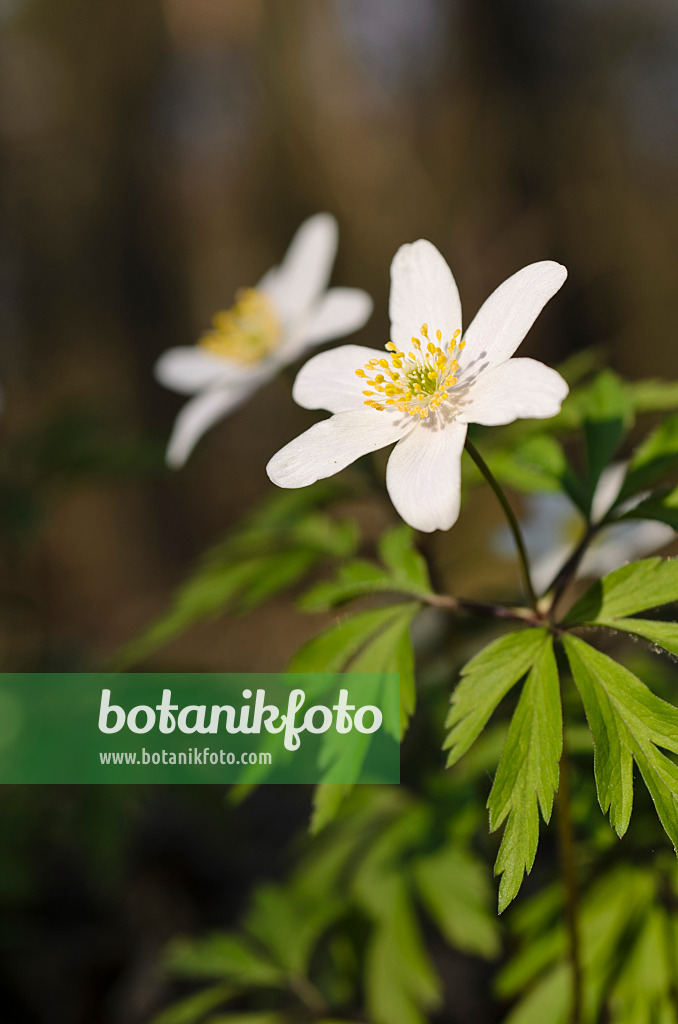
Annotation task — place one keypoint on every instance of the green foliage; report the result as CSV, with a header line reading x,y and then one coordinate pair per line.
x,y
662,506
383,860
634,588
654,459
372,641
527,773
628,930
271,551
403,571
607,416
628,723
484,682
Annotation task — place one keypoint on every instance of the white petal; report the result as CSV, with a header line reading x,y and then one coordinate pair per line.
x,y
506,316
607,489
516,389
331,445
197,416
623,542
340,311
190,368
423,475
328,380
305,270
423,290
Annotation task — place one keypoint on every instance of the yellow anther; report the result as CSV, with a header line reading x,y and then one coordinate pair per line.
x,y
439,335
432,376
382,362
247,332
424,330
379,378
462,344
430,347
360,373
390,346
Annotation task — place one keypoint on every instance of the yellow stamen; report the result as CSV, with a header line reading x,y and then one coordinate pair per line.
x,y
247,332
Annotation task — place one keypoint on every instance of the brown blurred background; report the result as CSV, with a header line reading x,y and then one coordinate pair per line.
x,y
156,155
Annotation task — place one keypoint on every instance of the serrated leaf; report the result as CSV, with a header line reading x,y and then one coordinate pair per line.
x,y
636,587
628,722
455,890
653,460
664,634
527,776
484,682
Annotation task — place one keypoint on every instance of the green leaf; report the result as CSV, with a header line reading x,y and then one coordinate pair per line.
x,y
549,1002
400,982
662,507
653,395
399,555
355,579
404,572
454,888
221,955
527,776
334,649
194,1007
484,682
664,634
608,416
627,722
288,921
538,463
656,457
327,800
634,588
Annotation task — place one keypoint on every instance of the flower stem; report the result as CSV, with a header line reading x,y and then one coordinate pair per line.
x,y
510,516
566,842
494,611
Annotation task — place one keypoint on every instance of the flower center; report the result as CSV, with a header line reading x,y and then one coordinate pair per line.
x,y
247,332
414,383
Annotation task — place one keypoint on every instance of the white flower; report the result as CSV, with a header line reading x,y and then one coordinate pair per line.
x,y
427,387
554,526
269,326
